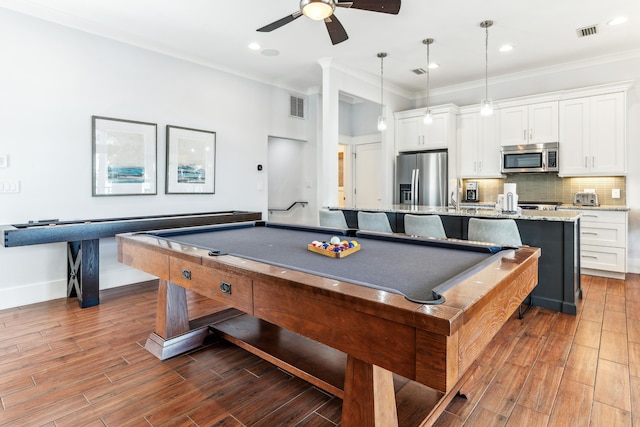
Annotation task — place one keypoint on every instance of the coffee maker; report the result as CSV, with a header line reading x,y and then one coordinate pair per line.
x,y
471,191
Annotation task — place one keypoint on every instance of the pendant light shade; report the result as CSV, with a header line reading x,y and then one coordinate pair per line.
x,y
486,106
382,123
428,118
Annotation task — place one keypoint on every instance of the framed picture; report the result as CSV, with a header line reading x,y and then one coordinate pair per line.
x,y
191,161
124,157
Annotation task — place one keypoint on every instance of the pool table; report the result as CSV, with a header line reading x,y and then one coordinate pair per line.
x,y
422,309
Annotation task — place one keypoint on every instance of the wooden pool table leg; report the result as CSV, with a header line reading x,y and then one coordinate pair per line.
x,y
173,335
369,397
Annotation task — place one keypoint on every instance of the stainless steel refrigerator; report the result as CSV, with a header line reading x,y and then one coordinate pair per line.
x,y
421,178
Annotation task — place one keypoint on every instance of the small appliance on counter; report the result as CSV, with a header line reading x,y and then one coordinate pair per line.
x,y
471,192
508,201
586,199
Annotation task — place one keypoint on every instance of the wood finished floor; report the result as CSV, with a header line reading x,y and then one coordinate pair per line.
x,y
64,366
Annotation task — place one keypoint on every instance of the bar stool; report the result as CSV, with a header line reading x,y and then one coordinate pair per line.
x,y
501,231
374,221
333,219
424,225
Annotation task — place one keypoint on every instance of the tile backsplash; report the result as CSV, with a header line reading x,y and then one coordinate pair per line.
x,y
551,188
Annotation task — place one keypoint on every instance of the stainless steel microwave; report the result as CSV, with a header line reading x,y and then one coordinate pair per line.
x,y
529,158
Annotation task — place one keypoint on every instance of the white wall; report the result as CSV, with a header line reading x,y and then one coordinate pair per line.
x,y
53,79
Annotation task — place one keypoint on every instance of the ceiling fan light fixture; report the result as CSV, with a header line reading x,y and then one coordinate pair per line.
x,y
317,9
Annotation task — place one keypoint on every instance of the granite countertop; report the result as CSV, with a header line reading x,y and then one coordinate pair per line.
x,y
477,211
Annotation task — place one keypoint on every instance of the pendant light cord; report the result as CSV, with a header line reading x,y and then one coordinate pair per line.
x,y
428,44
486,63
382,84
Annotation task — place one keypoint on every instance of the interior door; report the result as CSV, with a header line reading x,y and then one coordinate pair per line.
x,y
367,179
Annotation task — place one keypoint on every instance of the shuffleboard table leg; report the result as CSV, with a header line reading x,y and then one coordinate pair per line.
x,y
369,397
83,272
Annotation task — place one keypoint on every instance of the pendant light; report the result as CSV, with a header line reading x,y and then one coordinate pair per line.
x,y
486,106
382,123
428,118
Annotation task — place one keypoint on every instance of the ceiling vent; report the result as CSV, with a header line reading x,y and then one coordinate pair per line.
x,y
419,71
591,30
297,107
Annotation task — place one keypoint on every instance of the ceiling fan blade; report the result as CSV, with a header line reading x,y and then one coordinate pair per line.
x,y
336,31
280,22
384,6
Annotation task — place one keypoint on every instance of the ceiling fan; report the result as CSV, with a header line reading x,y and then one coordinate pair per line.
x,y
323,10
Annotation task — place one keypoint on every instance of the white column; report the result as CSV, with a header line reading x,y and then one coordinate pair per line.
x,y
328,138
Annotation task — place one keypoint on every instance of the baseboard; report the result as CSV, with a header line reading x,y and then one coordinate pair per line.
x,y
32,293
45,291
603,273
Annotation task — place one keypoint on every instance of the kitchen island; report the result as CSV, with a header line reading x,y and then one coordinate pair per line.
x,y
556,233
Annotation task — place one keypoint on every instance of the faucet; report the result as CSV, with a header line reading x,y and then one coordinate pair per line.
x,y
453,203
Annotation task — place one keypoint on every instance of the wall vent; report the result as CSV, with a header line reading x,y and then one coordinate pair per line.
x,y
419,71
587,31
297,107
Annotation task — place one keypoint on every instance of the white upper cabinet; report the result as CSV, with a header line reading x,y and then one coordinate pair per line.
x,y
529,124
412,134
478,146
592,135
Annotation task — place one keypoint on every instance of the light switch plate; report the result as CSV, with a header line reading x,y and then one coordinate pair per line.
x,y
4,160
615,193
10,187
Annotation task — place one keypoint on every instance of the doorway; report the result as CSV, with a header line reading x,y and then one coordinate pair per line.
x,y
367,181
288,181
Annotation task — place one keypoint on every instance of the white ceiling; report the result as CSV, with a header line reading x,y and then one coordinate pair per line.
x,y
216,33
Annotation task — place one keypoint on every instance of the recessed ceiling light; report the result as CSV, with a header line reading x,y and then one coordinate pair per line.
x,y
433,66
617,21
506,48
254,46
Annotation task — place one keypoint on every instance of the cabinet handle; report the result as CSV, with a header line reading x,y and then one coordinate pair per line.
x,y
524,134
530,134
589,256
586,161
590,233
480,166
593,161
590,216
475,166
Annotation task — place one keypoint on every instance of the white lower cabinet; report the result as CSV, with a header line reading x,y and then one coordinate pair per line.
x,y
603,243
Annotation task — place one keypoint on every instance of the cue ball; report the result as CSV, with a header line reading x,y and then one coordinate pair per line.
x,y
335,240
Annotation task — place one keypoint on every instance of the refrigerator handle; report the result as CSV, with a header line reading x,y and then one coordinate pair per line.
x,y
413,186
416,187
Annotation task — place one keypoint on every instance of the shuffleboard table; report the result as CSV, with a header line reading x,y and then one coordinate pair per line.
x,y
83,239
422,309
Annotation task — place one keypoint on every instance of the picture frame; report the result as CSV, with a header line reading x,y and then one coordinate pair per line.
x,y
191,160
124,157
